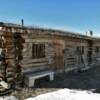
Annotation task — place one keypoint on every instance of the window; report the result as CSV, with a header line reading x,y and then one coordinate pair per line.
x,y
97,49
77,48
82,49
38,50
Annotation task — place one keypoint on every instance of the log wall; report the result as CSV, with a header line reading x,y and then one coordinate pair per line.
x,y
72,57
60,48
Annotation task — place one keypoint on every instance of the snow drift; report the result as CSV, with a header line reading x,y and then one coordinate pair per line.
x,y
66,94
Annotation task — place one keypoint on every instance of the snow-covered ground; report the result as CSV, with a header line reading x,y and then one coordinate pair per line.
x,y
66,94
8,98
63,94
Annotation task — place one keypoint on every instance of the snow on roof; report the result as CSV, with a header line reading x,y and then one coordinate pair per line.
x,y
52,31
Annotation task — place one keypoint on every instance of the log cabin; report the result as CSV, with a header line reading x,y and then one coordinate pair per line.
x,y
43,48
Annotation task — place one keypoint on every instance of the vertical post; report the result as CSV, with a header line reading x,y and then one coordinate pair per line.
x,y
22,21
18,47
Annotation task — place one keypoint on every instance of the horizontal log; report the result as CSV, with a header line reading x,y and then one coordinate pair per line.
x,y
33,65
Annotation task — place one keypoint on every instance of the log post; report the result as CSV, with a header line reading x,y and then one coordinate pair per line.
x,y
18,47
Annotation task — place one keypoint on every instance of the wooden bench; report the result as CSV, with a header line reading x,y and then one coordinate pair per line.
x,y
31,77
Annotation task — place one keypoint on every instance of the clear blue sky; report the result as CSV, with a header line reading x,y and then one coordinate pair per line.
x,y
72,15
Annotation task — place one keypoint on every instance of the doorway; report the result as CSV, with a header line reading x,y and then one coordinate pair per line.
x,y
58,58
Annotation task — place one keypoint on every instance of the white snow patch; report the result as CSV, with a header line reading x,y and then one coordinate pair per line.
x,y
67,94
8,98
4,84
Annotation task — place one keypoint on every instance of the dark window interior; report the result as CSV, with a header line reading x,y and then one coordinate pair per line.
x,y
97,49
82,49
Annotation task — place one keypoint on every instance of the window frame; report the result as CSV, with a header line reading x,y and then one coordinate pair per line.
x,y
38,50
97,49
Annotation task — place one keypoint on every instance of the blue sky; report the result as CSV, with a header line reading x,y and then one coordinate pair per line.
x,y
71,15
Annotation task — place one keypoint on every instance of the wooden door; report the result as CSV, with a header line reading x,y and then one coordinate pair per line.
x,y
58,58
